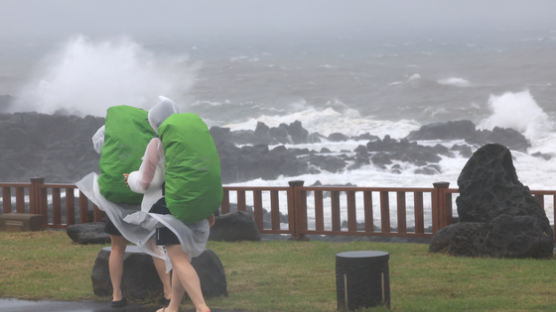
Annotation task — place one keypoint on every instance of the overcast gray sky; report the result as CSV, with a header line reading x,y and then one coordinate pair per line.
x,y
141,19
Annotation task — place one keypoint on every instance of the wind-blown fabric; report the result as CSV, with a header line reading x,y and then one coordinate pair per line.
x,y
142,236
148,180
192,236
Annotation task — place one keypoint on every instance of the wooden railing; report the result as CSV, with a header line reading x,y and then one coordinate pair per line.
x,y
45,199
296,209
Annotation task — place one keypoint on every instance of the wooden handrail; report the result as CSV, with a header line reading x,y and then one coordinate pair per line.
x,y
334,210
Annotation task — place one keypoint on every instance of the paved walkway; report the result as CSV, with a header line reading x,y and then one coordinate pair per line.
x,y
16,305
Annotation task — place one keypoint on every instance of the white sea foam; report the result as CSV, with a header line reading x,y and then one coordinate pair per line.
x,y
350,122
454,81
411,79
328,120
86,77
208,103
519,111
415,76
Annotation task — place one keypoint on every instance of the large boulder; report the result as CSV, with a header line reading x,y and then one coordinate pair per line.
x,y
88,233
140,279
235,226
498,216
211,273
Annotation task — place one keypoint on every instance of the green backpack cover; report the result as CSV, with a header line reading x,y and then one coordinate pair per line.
x,y
126,135
193,189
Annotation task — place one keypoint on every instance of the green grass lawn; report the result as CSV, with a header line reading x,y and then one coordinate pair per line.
x,y
295,276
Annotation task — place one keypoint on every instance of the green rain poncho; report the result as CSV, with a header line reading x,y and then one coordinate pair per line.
x,y
126,136
193,188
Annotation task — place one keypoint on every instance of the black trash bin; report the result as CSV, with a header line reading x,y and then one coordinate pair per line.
x,y
362,279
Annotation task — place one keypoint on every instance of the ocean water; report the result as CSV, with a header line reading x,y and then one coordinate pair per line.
x,y
391,90
347,86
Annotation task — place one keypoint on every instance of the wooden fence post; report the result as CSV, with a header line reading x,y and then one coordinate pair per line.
x,y
6,199
35,195
440,214
299,204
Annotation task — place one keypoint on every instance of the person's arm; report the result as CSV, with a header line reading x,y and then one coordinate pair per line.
x,y
140,180
211,220
98,139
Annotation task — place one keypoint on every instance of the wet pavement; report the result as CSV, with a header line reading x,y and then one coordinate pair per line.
x,y
16,305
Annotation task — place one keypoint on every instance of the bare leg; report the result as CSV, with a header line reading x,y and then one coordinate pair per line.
x,y
116,265
185,274
177,293
164,277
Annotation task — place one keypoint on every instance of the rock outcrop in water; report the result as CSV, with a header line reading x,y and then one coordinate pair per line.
x,y
293,133
58,148
466,130
498,216
55,147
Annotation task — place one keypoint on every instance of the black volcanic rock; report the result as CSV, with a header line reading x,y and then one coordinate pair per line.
x,y
251,162
55,147
88,233
280,134
498,216
220,135
507,137
235,226
293,133
59,149
391,149
450,130
314,138
140,280
297,133
381,159
327,163
430,169
361,157
466,130
337,137
262,133
366,136
542,155
489,187
464,150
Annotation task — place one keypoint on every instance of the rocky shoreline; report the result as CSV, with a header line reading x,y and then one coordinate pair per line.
x,y
58,148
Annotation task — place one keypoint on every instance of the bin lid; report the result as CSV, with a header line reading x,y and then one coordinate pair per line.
x,y
362,254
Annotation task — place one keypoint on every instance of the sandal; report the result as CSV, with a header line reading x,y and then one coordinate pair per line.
x,y
164,301
120,303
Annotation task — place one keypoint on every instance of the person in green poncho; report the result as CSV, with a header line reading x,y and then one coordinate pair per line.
x,y
180,180
121,142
